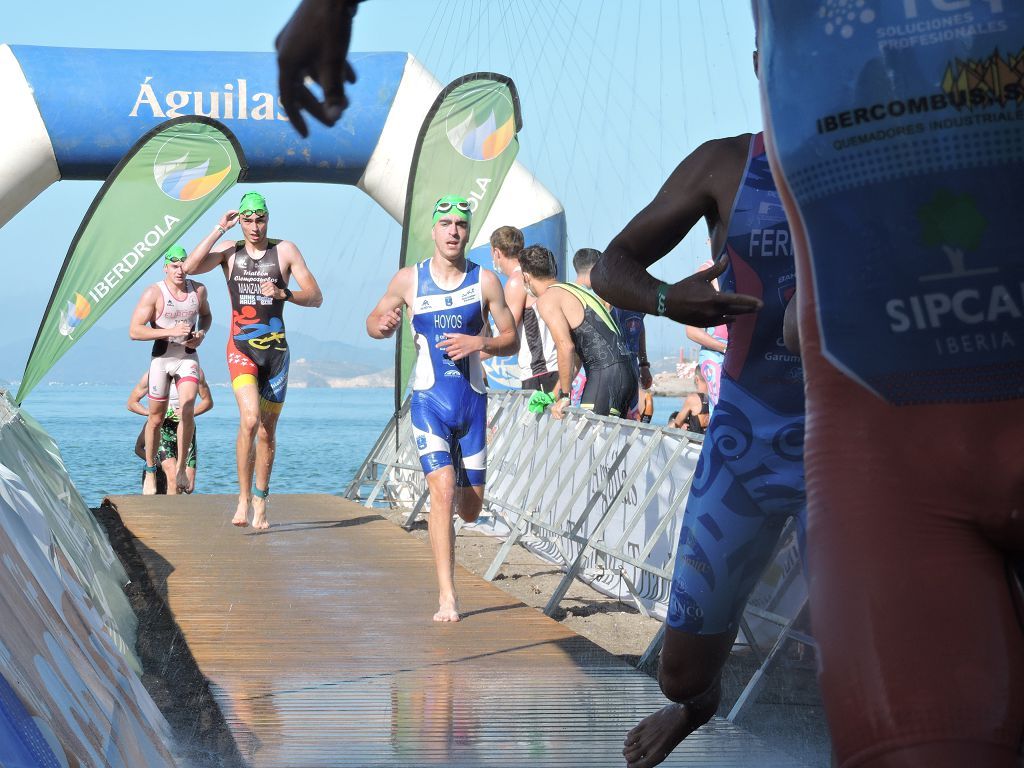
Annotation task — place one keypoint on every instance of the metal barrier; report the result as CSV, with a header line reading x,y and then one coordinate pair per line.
x,y
602,497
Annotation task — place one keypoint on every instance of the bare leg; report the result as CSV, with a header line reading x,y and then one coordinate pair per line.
x,y
248,421
157,409
441,484
690,674
468,502
266,447
186,428
170,466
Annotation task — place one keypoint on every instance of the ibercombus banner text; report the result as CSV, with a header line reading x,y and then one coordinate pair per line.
x,y
465,147
169,178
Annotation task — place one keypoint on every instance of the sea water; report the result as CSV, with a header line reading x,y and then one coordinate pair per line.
x,y
322,437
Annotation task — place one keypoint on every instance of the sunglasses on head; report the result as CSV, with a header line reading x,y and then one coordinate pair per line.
x,y
444,206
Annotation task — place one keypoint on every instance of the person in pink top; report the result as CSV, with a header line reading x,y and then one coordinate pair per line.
x,y
713,342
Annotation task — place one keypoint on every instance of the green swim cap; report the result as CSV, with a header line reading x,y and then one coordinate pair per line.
x,y
175,253
452,204
252,201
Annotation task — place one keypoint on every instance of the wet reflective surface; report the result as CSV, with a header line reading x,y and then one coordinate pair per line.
x,y
317,642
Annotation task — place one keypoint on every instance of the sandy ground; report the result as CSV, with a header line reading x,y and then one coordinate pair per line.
x,y
788,712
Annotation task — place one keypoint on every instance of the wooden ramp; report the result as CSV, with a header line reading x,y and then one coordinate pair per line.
x,y
317,643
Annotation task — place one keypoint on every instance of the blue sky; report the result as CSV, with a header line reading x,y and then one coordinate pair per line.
x,y
614,94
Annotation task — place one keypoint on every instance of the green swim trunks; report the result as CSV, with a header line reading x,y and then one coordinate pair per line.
x,y
168,448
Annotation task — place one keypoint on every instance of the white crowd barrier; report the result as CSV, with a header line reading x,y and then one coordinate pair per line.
x,y
601,497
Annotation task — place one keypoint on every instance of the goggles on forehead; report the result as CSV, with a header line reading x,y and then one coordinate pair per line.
x,y
260,215
443,206
175,259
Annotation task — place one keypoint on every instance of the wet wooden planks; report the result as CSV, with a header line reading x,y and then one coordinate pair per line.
x,y
317,641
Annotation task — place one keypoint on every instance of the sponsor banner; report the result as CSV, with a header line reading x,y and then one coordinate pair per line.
x,y
67,694
898,130
96,103
55,516
466,146
166,181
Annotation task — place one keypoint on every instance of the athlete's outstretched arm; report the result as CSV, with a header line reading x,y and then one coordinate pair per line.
x,y
458,345
309,294
205,396
141,389
689,194
205,256
385,318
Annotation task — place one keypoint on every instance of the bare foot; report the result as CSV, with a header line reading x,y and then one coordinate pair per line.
x,y
259,514
149,484
447,610
654,737
241,518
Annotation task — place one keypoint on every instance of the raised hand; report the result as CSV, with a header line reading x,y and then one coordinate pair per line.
x,y
314,44
695,301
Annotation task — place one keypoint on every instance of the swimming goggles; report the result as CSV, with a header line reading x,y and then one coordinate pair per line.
x,y
260,215
175,259
443,206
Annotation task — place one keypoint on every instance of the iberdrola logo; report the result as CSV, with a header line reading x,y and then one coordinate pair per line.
x,y
73,316
186,170
481,122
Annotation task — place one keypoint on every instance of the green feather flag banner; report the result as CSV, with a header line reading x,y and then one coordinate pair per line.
x,y
160,188
466,146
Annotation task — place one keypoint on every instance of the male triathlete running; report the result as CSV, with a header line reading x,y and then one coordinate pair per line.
x,y
167,314
896,139
449,299
581,325
749,477
538,360
257,270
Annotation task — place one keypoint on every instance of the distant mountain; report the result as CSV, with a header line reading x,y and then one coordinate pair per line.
x,y
106,356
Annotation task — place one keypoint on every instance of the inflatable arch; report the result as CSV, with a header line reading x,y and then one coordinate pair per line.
x,y
72,113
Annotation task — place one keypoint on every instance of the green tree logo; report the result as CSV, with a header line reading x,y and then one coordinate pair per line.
x,y
952,222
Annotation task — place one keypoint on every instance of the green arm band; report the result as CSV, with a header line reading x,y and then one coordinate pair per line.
x,y
662,301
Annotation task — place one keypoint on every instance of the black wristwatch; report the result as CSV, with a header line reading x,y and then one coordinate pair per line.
x,y
287,294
